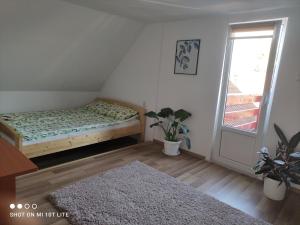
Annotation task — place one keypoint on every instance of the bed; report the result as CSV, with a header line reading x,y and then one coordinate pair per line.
x,y
44,132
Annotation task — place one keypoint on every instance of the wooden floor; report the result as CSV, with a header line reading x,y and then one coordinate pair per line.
x,y
237,190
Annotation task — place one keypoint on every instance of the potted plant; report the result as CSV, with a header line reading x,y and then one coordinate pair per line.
x,y
171,122
282,170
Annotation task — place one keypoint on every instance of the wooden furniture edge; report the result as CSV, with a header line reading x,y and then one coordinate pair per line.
x,y
12,164
183,150
89,157
49,147
11,133
141,111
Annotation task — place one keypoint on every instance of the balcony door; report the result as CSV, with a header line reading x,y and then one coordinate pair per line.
x,y
250,64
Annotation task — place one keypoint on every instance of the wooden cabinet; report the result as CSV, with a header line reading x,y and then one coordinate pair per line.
x,y
12,163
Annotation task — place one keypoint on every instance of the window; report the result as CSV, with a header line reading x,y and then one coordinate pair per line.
x,y
251,45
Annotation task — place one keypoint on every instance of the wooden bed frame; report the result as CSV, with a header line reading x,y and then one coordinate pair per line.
x,y
48,147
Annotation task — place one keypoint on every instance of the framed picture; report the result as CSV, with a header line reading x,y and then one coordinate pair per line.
x,y
186,56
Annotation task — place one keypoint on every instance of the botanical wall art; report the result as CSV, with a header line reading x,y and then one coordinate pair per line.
x,y
186,57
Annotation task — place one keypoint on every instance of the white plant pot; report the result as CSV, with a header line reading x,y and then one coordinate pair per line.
x,y
171,147
273,190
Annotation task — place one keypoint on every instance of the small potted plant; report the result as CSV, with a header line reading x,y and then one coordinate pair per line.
x,y
171,122
282,170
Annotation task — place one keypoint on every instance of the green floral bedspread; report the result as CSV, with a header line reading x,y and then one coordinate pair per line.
x,y
36,126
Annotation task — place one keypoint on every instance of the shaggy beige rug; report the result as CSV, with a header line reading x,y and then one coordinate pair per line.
x,y
137,194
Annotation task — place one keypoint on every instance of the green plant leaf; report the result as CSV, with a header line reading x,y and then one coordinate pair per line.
x,y
295,155
281,135
182,115
155,124
175,124
186,59
284,178
152,114
189,48
183,129
187,142
179,55
196,45
165,112
295,168
294,141
264,169
295,178
279,162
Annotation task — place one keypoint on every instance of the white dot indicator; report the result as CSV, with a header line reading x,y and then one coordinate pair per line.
x,y
12,206
19,206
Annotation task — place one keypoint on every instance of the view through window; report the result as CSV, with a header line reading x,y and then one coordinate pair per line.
x,y
247,73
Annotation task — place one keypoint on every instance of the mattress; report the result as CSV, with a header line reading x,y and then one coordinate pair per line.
x,y
43,126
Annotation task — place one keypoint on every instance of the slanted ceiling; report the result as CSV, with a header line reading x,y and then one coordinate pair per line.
x,y
55,45
164,10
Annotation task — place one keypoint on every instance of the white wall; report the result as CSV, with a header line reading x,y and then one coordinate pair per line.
x,y
136,78
54,54
198,94
25,101
50,45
